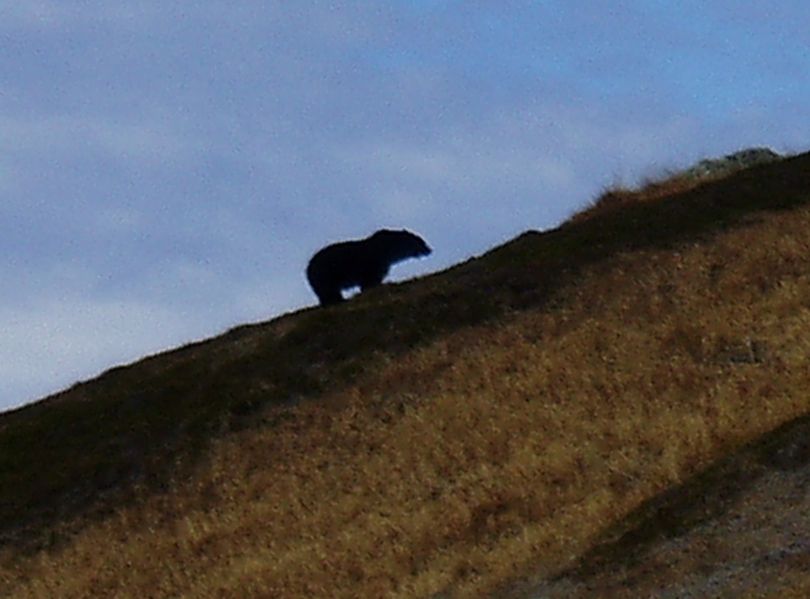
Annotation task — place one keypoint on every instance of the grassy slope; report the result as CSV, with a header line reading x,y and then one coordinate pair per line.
x,y
468,424
739,528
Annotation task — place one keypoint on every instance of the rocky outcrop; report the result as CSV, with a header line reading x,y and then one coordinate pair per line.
x,y
733,162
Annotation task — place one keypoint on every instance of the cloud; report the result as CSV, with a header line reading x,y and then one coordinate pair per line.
x,y
54,343
36,13
55,15
65,135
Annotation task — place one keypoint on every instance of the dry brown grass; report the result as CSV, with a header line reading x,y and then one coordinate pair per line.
x,y
495,449
618,196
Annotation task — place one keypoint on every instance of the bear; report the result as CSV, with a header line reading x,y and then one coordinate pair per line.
x,y
360,263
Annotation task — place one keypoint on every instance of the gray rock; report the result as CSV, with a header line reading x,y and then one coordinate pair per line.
x,y
733,162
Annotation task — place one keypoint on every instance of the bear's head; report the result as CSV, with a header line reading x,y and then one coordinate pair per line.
x,y
400,245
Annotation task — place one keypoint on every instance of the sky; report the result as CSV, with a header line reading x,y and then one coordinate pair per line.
x,y
168,168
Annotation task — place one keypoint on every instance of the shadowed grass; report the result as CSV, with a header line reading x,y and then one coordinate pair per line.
x,y
706,496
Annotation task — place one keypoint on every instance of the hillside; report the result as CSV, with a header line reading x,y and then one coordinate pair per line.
x,y
740,528
511,419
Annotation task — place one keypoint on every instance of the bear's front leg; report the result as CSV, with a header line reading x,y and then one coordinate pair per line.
x,y
370,281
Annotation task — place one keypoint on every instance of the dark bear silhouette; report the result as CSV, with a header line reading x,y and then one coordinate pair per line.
x,y
360,263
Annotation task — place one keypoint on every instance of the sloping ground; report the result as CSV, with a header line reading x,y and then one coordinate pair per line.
x,y
445,435
740,529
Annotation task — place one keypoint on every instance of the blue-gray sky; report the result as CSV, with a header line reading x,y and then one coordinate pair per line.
x,y
167,168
